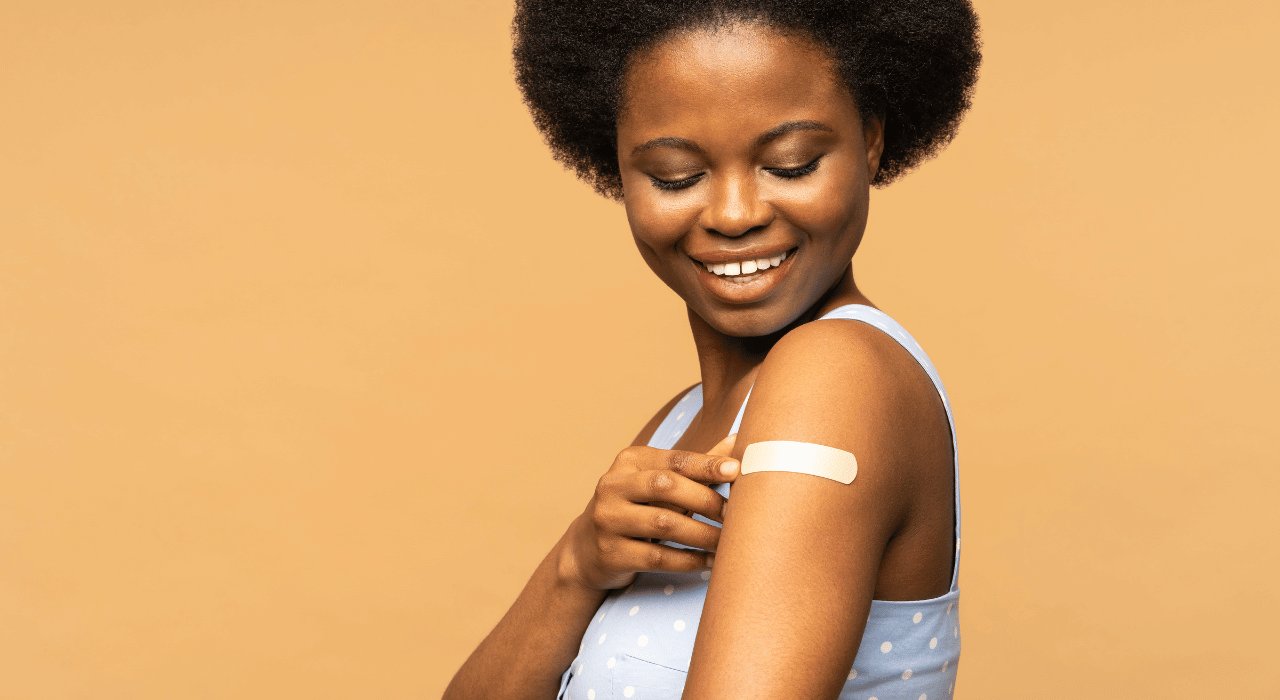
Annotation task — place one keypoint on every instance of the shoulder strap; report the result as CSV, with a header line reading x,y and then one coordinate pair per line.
x,y
880,320
737,422
677,419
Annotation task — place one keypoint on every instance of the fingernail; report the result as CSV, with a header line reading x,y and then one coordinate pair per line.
x,y
711,560
729,467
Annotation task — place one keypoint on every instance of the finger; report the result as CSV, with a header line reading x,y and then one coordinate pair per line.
x,y
724,448
670,506
648,522
635,555
656,486
702,468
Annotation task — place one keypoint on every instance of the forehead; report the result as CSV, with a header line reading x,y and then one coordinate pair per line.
x,y
729,79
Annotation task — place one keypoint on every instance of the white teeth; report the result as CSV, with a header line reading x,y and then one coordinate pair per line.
x,y
746,267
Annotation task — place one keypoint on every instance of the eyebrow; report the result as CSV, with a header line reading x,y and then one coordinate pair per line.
x,y
668,142
766,137
787,128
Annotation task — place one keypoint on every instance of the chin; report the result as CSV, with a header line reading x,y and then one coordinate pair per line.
x,y
749,323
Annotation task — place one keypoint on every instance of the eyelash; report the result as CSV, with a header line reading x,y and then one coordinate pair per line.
x,y
786,173
790,173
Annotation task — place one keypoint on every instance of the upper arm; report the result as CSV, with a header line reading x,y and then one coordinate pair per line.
x,y
797,563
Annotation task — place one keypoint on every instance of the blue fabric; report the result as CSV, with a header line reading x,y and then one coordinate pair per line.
x,y
640,641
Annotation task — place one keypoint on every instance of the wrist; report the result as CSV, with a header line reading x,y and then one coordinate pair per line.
x,y
568,568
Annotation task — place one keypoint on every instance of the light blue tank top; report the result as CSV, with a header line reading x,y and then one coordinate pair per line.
x,y
640,641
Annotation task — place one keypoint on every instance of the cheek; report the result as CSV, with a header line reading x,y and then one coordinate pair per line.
x,y
831,209
657,222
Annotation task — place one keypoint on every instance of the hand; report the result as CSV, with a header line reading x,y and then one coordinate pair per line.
x,y
647,496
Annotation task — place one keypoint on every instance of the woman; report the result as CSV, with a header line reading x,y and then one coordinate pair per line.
x,y
742,139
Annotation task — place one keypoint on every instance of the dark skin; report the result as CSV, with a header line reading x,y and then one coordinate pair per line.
x,y
737,144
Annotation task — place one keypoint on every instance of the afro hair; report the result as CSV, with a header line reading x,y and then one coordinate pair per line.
x,y
911,62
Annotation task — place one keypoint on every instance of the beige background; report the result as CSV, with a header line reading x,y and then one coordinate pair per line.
x,y
308,352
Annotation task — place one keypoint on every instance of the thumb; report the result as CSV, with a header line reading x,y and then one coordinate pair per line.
x,y
724,448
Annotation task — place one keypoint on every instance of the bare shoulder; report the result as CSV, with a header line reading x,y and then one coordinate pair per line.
x,y
651,427
846,384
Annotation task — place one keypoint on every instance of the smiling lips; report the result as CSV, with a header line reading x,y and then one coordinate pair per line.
x,y
744,267
744,281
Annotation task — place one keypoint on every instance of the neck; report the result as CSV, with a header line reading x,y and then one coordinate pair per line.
x,y
729,364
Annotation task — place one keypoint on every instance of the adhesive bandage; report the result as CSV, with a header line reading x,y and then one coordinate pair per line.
x,y
801,458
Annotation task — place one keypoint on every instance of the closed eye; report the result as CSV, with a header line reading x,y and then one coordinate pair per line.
x,y
801,171
676,184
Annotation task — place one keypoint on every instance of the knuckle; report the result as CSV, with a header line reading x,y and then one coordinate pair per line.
x,y
605,485
663,521
656,558
600,518
628,457
662,482
681,462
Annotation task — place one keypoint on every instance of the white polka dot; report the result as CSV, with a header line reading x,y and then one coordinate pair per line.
x,y
933,643
949,607
591,692
643,641
923,697
853,673
884,648
953,688
602,617
956,633
873,698
579,669
706,575
628,691
677,418
944,665
906,674
917,618
634,609
669,589
679,625
602,639
611,662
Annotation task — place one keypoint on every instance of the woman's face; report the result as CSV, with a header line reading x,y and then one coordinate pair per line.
x,y
737,147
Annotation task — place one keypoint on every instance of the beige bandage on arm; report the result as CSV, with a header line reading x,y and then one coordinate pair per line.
x,y
800,457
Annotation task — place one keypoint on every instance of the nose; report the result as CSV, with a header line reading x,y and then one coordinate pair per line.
x,y
735,207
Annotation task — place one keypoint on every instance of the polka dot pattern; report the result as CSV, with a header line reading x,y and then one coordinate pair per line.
x,y
644,634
